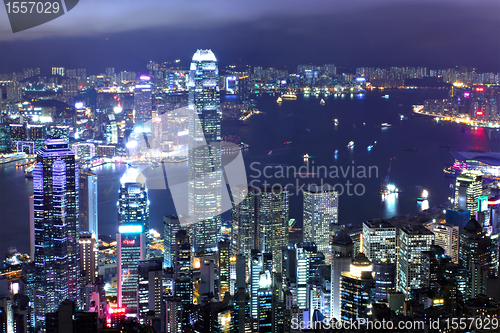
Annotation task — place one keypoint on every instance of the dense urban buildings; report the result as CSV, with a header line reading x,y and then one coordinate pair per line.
x,y
276,258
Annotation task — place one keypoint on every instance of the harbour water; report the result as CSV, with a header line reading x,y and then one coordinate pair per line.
x,y
308,127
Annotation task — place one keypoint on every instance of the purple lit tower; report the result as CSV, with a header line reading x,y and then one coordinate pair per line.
x,y
55,196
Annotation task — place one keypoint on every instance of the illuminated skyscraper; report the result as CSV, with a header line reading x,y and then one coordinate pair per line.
x,y
224,265
342,254
142,104
204,156
320,214
412,241
357,288
379,241
171,226
133,205
88,203
130,250
468,189
272,217
56,202
446,236
475,257
89,256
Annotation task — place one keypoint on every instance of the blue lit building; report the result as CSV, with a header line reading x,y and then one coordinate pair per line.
x,y
56,209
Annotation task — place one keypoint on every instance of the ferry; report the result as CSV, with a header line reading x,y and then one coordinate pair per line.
x,y
351,144
424,196
289,97
336,121
279,100
306,157
322,102
336,151
385,96
370,147
385,125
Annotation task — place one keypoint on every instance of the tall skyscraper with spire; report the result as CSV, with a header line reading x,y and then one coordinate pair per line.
x,y
204,157
55,192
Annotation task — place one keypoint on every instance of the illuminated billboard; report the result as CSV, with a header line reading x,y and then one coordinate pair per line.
x,y
130,229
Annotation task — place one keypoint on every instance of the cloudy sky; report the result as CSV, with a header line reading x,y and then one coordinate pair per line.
x,y
126,34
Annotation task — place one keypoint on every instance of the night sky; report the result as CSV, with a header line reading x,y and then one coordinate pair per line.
x,y
126,34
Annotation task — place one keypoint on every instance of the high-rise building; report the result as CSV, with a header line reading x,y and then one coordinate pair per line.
x,y
88,203
342,254
204,155
379,241
182,268
89,256
224,268
357,288
133,205
142,105
130,250
171,226
475,257
150,290
303,275
272,210
384,276
320,214
446,236
412,241
468,189
56,205
260,221
256,267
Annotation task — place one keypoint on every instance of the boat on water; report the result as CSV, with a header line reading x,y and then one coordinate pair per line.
x,y
424,196
322,102
306,157
385,96
385,125
336,121
350,144
412,149
287,142
279,100
270,152
369,147
336,151
289,97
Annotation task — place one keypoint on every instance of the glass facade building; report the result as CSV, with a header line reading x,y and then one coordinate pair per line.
x,y
56,205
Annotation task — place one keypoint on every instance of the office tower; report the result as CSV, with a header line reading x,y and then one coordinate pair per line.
x,y
88,202
150,291
58,132
272,210
265,295
446,236
133,206
475,257
130,244
37,134
384,276
17,133
303,274
434,262
260,221
56,202
468,189
357,289
89,256
58,71
237,273
412,241
171,226
182,268
243,225
379,241
241,306
4,138
320,214
142,105
256,267
224,268
70,90
342,254
204,155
